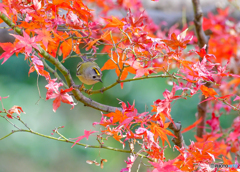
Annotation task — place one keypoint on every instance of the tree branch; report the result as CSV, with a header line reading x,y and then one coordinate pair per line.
x,y
68,141
202,40
179,141
129,80
198,19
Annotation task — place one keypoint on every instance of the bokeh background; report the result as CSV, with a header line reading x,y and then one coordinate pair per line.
x,y
31,153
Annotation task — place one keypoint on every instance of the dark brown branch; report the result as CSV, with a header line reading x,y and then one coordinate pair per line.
x,y
198,19
179,141
202,40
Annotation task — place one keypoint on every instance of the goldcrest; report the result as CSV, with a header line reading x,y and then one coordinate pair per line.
x,y
88,71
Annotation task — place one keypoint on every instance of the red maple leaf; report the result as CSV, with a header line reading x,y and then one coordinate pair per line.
x,y
86,135
178,41
9,51
14,109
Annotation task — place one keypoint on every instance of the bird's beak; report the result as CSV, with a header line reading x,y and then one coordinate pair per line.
x,y
100,80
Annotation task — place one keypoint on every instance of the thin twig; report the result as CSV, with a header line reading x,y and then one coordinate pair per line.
x,y
81,144
11,122
129,80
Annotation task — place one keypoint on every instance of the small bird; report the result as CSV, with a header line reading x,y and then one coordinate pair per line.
x,y
88,71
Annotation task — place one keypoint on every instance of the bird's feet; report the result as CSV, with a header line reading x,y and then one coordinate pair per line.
x,y
89,91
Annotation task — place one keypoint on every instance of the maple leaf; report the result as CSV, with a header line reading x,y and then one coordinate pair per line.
x,y
143,131
86,135
140,68
82,10
192,126
38,66
15,109
208,91
116,116
66,48
115,133
104,122
26,42
133,21
73,20
214,123
160,132
114,22
111,64
164,106
203,54
44,35
58,96
162,166
9,51
3,97
3,10
91,43
198,70
178,41
129,163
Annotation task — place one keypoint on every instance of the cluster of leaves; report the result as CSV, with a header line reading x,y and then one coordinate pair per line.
x,y
54,31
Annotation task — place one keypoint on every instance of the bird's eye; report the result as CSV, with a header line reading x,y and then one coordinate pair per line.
x,y
94,76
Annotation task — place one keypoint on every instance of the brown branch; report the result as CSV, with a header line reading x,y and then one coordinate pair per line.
x,y
198,19
202,40
179,141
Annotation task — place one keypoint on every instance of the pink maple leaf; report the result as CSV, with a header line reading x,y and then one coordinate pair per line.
x,y
164,166
38,66
214,123
26,42
129,163
58,96
2,9
144,131
140,68
3,98
86,135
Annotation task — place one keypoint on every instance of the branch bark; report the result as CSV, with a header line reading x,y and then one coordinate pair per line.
x,y
179,141
202,40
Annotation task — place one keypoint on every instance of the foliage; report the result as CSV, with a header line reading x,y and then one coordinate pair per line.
x,y
55,31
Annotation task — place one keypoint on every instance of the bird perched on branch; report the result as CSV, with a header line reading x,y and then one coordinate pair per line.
x,y
88,71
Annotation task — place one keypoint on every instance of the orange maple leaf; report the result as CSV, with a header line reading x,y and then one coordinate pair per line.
x,y
117,116
91,43
111,64
114,22
161,132
192,126
66,47
208,91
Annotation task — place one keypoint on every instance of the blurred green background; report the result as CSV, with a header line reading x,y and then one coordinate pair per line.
x,y
28,152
